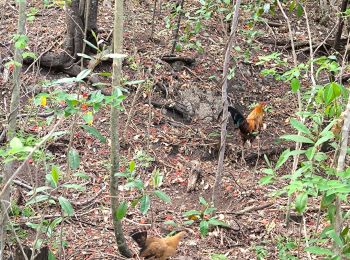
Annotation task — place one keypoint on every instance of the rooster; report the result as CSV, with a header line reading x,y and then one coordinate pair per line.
x,y
156,247
248,126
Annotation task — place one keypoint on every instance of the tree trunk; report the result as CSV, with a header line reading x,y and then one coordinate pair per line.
x,y
11,130
225,103
336,45
81,16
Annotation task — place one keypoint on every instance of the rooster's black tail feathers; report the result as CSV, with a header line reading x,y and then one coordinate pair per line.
x,y
237,116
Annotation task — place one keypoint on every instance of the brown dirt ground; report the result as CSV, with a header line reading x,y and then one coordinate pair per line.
x,y
90,235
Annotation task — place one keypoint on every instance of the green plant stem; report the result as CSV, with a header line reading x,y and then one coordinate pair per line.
x,y
115,145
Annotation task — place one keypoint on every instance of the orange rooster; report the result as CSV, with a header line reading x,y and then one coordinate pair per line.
x,y
249,126
155,247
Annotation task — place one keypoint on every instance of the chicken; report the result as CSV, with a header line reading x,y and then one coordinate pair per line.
x,y
248,126
155,247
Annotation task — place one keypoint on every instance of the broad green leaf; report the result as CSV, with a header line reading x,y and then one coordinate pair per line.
x,y
55,174
91,45
66,206
145,204
191,213
94,132
88,118
170,222
29,55
301,202
83,55
300,126
132,166
134,82
204,228
121,210
73,159
327,136
319,250
37,199
203,201
51,256
188,222
266,180
218,257
163,196
38,190
299,10
215,222
297,138
74,186
16,143
83,74
295,84
283,158
81,175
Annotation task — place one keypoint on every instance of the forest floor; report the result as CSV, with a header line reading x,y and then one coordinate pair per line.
x,y
177,147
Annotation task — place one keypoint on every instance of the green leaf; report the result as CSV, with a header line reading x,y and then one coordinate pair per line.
x,y
216,222
266,180
16,143
74,186
73,159
163,196
299,10
283,158
38,190
188,222
55,174
88,118
121,210
66,206
203,201
81,175
94,132
51,256
327,136
145,204
301,202
218,257
170,222
29,54
134,82
83,74
37,199
91,45
204,228
300,127
295,84
191,213
83,55
319,250
132,166
105,74
297,138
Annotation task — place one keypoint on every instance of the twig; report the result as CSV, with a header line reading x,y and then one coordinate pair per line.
x,y
176,32
306,238
298,144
